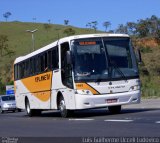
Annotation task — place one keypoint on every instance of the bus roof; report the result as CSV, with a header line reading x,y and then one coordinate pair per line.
x,y
47,47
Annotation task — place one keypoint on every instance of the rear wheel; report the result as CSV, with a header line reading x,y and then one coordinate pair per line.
x,y
30,112
62,107
114,109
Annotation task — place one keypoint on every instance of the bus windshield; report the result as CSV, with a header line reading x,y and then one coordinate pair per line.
x,y
102,59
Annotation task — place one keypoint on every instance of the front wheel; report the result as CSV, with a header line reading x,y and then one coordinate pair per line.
x,y
114,109
63,111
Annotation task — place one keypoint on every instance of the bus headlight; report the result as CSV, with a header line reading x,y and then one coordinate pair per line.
x,y
84,92
135,87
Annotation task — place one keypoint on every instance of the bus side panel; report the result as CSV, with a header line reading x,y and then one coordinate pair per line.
x,y
20,98
37,89
39,100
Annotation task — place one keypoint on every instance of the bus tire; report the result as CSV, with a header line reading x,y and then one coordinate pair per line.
x,y
30,112
62,108
114,109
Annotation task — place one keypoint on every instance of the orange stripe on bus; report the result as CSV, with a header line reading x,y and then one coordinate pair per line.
x,y
39,84
84,86
43,96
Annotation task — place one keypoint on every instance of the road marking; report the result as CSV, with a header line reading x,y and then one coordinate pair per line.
x,y
81,119
158,122
118,120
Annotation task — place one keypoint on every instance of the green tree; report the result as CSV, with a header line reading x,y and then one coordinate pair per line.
x,y
131,28
3,44
149,27
106,25
143,28
69,31
94,25
155,26
4,49
89,25
2,87
66,22
122,29
7,15
49,21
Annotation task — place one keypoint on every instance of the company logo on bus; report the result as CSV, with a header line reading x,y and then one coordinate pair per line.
x,y
115,87
42,78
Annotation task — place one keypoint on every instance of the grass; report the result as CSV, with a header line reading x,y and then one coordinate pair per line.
x,y
150,86
150,72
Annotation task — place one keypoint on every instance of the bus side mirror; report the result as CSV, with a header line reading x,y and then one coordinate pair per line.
x,y
138,56
69,59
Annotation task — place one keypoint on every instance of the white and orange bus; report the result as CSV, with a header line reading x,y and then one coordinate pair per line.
x,y
78,72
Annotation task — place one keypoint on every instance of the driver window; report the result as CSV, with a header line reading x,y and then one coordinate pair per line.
x,y
66,73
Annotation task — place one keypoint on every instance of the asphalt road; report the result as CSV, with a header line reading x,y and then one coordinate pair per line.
x,y
134,121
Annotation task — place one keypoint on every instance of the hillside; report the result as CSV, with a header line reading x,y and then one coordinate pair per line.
x,y
20,42
150,66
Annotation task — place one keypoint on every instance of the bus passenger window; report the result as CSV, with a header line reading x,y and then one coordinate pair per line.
x,y
27,68
45,62
34,66
55,58
42,63
31,67
38,61
49,60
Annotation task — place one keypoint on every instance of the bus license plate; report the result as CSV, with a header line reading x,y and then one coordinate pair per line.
x,y
111,100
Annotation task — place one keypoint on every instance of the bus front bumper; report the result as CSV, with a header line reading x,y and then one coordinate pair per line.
x,y
105,100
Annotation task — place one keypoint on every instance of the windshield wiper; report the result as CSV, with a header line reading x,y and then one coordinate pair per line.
x,y
118,69
112,63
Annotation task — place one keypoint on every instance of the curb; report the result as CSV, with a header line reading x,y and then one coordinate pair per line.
x,y
145,104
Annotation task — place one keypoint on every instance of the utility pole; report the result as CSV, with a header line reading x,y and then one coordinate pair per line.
x,y
33,40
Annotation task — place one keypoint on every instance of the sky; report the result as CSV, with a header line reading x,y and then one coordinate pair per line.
x,y
80,12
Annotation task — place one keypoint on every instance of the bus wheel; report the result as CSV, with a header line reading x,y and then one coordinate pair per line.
x,y
62,107
114,109
28,109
